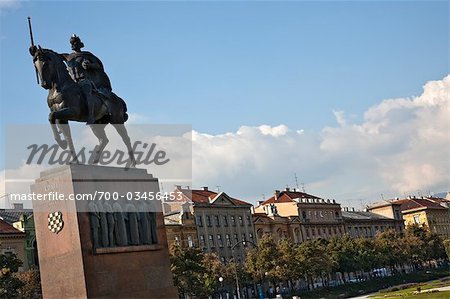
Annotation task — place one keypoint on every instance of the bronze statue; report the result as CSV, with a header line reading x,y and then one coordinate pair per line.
x,y
78,98
87,70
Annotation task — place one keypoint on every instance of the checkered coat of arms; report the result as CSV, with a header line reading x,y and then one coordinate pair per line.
x,y
55,222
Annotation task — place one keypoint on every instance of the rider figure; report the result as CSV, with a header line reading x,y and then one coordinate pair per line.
x,y
87,70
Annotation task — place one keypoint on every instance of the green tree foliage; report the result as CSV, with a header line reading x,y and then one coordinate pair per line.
x,y
315,258
31,288
262,261
288,262
447,248
9,284
343,254
188,270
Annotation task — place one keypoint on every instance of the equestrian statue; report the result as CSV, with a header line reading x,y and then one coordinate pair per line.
x,y
79,90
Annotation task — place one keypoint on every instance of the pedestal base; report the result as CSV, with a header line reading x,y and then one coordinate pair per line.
x,y
69,264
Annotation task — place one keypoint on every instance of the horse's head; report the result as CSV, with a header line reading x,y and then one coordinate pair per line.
x,y
45,65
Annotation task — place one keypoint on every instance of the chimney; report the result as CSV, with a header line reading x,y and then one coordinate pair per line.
x,y
18,206
277,193
178,187
260,202
205,188
287,188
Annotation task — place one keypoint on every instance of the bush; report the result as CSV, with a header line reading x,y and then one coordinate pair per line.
x,y
31,288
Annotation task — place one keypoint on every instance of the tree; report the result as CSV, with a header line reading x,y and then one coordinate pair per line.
x,y
31,288
9,284
315,259
262,261
447,247
366,254
213,270
390,251
343,255
188,270
288,263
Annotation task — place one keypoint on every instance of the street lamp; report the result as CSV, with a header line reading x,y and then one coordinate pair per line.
x,y
235,265
221,286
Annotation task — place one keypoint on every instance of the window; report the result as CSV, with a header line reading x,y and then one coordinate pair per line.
x,y
233,221
250,235
321,214
217,220
236,238
241,221
336,214
260,233
208,220
190,241
220,241
222,259
303,214
249,221
202,241
199,221
177,240
211,240
244,238
228,240
417,219
225,220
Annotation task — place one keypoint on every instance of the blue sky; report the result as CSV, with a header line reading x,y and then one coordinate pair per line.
x,y
222,65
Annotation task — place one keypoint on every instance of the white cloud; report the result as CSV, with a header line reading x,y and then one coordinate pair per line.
x,y
8,4
401,146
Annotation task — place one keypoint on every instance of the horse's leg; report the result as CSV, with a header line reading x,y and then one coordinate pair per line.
x,y
56,134
120,128
63,114
63,125
99,132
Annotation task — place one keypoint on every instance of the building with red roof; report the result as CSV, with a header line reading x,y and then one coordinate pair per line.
x,y
307,216
221,221
433,212
12,240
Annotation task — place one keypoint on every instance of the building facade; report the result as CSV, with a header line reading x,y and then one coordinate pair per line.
x,y
428,211
362,224
181,228
224,224
308,216
12,241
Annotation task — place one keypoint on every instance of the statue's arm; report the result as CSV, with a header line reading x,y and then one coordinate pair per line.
x,y
91,62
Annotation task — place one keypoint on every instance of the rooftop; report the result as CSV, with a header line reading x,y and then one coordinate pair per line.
x,y
360,215
6,228
206,196
289,195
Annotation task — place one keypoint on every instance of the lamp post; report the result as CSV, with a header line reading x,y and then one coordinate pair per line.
x,y
221,286
235,264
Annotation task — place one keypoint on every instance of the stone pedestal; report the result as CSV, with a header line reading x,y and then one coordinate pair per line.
x,y
70,266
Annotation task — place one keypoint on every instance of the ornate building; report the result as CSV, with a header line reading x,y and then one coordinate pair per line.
x,y
430,211
221,221
181,228
12,240
306,216
367,224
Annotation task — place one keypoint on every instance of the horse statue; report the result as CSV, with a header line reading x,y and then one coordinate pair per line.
x,y
67,102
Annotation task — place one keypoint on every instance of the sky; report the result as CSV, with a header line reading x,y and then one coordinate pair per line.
x,y
351,97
